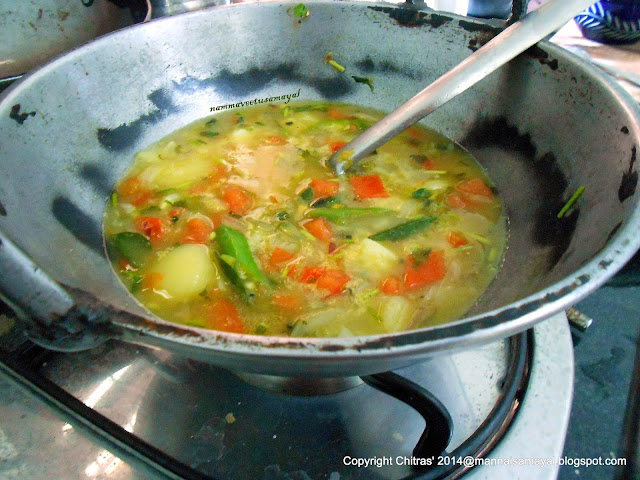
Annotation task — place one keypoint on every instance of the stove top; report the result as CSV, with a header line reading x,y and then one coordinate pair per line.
x,y
134,413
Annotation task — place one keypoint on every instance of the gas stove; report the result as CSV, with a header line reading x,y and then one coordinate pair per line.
x,y
127,412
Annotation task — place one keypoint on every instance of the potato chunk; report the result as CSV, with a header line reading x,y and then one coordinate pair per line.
x,y
396,313
186,271
173,173
370,260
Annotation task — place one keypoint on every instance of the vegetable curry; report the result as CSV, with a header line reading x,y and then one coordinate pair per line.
x,y
238,223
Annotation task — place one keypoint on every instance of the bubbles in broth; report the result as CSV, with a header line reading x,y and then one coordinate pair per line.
x,y
238,223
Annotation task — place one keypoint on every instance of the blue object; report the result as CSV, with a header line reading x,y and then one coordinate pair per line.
x,y
611,21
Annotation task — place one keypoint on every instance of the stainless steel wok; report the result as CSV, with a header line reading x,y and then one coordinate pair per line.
x,y
542,126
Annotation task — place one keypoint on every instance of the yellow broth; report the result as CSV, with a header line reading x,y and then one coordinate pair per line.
x,y
238,223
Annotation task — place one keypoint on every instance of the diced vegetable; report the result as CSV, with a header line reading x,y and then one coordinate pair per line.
x,y
185,271
287,302
238,263
198,231
333,280
280,255
396,313
324,188
175,173
391,286
152,227
335,146
404,230
239,202
224,316
300,11
368,186
343,215
475,186
366,80
418,274
574,198
306,194
133,246
319,228
456,239
311,274
370,260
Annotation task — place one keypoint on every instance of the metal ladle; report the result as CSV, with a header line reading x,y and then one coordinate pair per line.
x,y
508,44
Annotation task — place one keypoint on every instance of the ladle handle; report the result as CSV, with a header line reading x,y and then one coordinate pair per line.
x,y
504,47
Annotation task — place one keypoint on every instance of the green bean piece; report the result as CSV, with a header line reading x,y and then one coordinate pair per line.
x,y
404,230
135,247
342,215
237,261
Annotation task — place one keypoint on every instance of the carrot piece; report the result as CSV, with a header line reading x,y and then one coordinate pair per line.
x,y
324,188
130,187
431,270
152,227
475,186
336,114
456,239
311,274
133,191
275,140
428,164
333,280
368,186
293,270
239,202
176,212
279,255
287,302
198,231
223,315
391,286
152,280
319,228
273,198
455,201
335,146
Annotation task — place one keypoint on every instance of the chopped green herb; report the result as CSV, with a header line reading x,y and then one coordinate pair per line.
x,y
286,111
337,66
178,149
300,11
136,283
418,158
404,230
260,123
324,202
365,80
306,194
282,215
175,218
209,134
420,256
574,198
211,122
422,194
240,120
195,322
114,199
197,141
261,329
